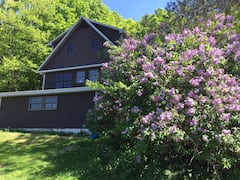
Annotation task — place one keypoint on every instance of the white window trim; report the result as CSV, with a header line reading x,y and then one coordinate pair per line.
x,y
42,103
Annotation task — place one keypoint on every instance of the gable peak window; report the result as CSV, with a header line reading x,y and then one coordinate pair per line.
x,y
94,45
70,49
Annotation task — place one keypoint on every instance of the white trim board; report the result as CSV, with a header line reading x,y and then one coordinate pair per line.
x,y
58,130
69,68
46,92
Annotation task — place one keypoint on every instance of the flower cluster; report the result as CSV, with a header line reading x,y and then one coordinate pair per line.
x,y
184,90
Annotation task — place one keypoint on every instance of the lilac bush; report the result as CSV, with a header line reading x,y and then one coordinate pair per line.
x,y
178,98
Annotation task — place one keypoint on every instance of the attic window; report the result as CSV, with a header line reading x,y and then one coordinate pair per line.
x,y
94,45
70,49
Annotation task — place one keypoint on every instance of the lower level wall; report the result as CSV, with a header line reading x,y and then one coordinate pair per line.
x,y
70,113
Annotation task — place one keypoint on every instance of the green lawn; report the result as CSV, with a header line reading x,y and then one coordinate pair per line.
x,y
44,156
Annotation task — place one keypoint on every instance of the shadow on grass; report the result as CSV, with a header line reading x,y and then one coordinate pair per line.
x,y
44,156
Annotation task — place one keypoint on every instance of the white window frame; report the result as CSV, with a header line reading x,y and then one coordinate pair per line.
x,y
80,76
42,103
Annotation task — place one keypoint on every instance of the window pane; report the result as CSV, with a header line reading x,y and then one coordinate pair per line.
x,y
80,77
93,75
35,106
94,45
35,100
35,103
50,103
70,49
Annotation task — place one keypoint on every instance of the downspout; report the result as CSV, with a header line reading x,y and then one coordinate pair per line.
x,y
43,82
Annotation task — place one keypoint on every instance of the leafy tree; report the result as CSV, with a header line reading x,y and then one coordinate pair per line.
x,y
194,10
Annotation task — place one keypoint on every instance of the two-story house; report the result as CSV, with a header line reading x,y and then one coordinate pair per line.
x,y
77,55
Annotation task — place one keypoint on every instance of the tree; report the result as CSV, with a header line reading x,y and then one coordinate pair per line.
x,y
194,10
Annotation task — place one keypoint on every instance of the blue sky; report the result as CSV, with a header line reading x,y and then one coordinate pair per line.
x,y
135,9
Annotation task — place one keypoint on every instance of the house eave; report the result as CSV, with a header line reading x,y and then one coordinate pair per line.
x,y
69,68
46,92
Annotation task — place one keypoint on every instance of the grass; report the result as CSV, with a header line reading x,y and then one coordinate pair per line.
x,y
43,156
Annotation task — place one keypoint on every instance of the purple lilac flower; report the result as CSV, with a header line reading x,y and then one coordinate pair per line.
x,y
180,106
190,68
154,126
226,131
135,109
217,101
148,38
146,119
165,116
189,102
130,44
194,122
226,116
212,41
159,61
148,66
190,111
173,129
148,75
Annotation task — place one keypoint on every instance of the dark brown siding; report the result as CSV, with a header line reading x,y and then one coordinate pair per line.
x,y
50,78
71,112
81,40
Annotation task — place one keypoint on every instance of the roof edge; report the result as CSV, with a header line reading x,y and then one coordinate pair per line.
x,y
46,92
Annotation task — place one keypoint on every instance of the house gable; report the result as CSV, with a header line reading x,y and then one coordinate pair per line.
x,y
80,45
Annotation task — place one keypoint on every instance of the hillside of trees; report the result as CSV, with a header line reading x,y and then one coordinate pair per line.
x,y
26,27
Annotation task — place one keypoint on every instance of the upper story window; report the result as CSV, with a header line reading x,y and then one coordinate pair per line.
x,y
94,45
81,76
93,75
63,80
70,49
43,103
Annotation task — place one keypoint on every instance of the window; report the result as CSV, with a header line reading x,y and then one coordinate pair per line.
x,y
93,75
35,103
50,103
63,80
80,77
70,49
43,103
94,45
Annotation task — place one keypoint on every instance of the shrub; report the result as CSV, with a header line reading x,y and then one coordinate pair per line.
x,y
172,108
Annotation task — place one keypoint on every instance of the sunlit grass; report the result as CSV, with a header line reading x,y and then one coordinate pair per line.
x,y
42,156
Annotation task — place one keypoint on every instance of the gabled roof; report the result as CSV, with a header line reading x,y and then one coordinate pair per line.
x,y
63,37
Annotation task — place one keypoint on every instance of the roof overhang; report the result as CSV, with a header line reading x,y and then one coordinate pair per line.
x,y
46,92
69,68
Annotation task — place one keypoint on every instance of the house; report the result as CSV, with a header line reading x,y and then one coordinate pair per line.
x,y
77,54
